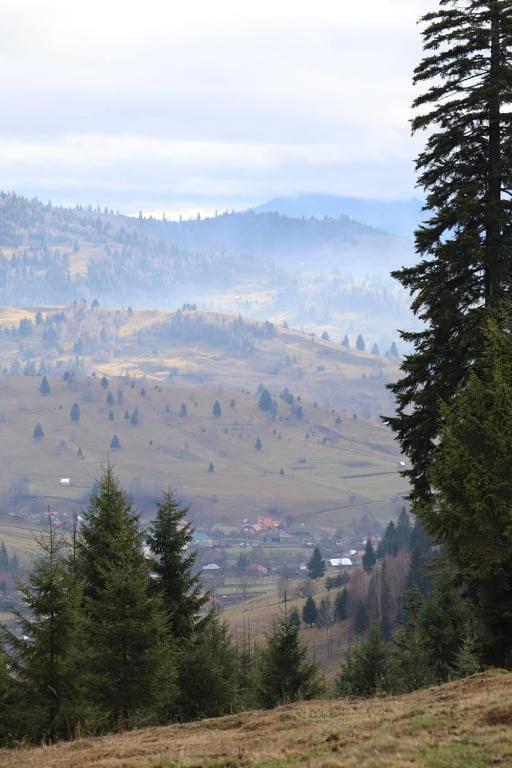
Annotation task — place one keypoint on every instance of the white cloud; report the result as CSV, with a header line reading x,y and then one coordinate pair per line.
x,y
136,101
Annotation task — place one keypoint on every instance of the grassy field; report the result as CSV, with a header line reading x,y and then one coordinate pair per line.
x,y
19,536
140,343
332,473
465,724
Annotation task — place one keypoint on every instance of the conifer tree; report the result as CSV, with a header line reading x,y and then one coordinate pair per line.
x,y
369,557
295,617
464,244
444,620
131,659
340,605
284,672
216,410
360,343
169,539
38,432
316,565
47,651
403,531
310,612
345,342
75,412
411,663
366,669
44,387
470,514
207,673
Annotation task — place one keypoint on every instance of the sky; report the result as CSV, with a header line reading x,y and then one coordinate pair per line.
x,y
180,107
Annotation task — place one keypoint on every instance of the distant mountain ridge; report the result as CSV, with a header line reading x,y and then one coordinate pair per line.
x,y
398,217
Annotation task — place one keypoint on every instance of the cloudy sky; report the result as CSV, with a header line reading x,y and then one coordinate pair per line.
x,y
200,105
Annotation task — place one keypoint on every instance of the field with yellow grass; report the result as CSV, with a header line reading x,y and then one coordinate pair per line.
x,y
336,463
465,724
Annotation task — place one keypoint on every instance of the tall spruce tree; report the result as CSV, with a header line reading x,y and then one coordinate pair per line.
x,y
465,243
471,513
369,557
316,565
207,673
131,658
169,538
47,651
284,672
366,669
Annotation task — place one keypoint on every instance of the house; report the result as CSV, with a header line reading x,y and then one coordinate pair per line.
x,y
256,569
339,562
65,481
211,567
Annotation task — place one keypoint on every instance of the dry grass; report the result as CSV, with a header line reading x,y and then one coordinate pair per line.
x,y
355,471
466,724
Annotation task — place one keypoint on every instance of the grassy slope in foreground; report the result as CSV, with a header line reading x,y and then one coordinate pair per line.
x,y
465,724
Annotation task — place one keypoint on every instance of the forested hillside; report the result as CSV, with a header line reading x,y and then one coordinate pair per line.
x,y
259,264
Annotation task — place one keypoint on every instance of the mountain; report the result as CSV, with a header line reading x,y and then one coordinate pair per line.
x,y
463,724
399,217
322,275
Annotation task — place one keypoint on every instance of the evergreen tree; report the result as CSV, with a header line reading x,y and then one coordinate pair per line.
x,y
13,720
134,418
340,605
470,513
366,669
388,545
375,349
47,651
464,244
75,412
345,343
183,410
369,557
316,565
266,403
295,617
360,343
38,432
411,666
403,531
416,578
207,673
115,443
258,444
110,399
4,557
216,410
284,672
169,538
131,661
444,619
310,612
44,387
104,382
467,660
